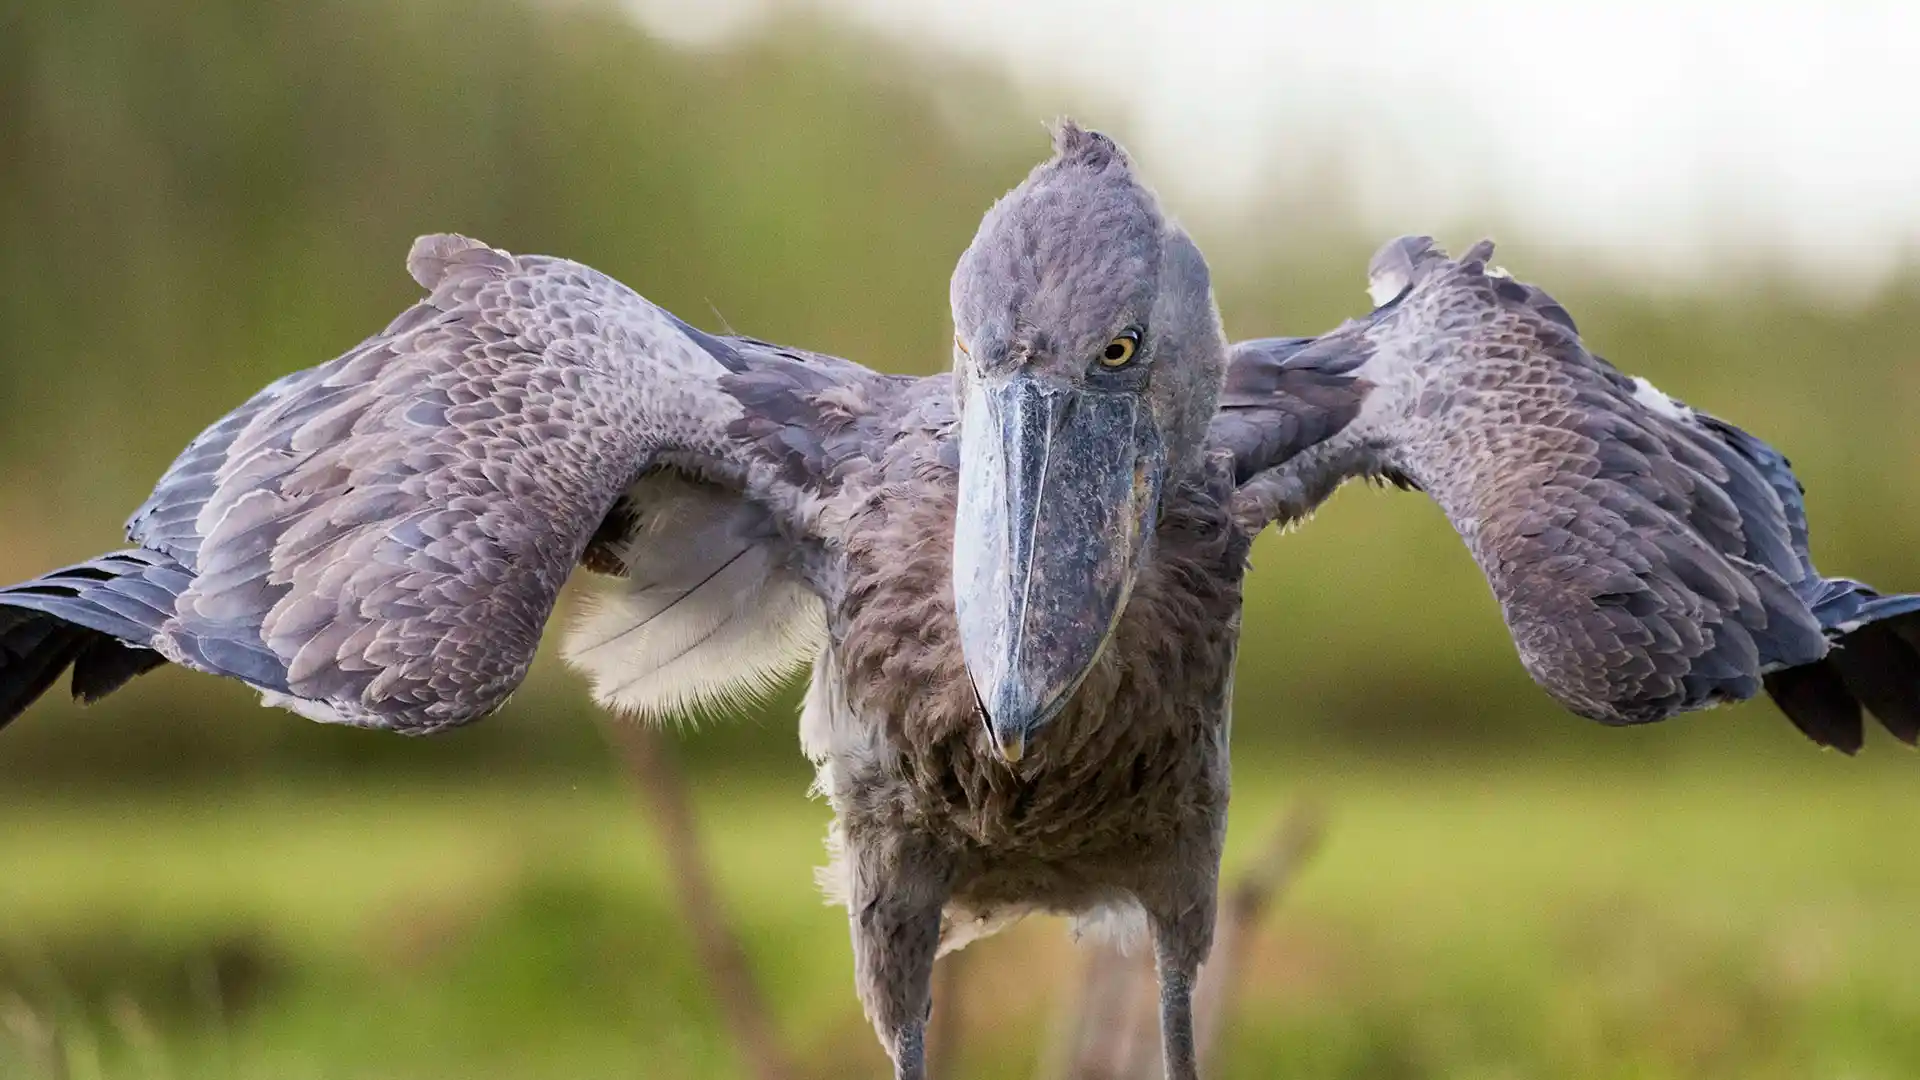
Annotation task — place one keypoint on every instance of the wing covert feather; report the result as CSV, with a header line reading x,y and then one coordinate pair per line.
x,y
380,540
1648,560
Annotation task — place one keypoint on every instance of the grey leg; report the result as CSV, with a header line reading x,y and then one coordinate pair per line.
x,y
898,891
1182,922
1176,1019
910,1053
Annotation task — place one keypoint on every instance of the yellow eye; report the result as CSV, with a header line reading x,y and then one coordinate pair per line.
x,y
962,346
1119,351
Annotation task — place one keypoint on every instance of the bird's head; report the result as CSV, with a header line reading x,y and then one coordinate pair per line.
x,y
1088,358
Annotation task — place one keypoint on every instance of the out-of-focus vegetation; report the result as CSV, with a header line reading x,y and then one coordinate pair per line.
x,y
197,198
1693,925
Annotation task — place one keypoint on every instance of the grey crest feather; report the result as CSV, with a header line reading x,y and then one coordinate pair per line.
x,y
1075,145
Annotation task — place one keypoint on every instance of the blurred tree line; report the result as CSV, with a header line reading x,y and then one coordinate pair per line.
x,y
197,198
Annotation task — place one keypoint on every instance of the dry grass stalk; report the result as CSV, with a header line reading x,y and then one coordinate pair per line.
x,y
649,761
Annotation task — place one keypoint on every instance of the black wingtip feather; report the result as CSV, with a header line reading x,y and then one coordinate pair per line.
x,y
1881,667
104,665
34,650
1872,666
97,617
1817,702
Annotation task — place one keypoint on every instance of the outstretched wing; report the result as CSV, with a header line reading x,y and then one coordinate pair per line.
x,y
1649,559
380,540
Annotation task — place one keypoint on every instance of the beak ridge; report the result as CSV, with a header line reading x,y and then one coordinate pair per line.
x,y
1059,493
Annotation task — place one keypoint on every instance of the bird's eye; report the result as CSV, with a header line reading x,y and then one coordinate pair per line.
x,y
1119,352
962,346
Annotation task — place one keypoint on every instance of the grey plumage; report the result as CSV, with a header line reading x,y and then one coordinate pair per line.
x,y
379,540
1018,586
1650,559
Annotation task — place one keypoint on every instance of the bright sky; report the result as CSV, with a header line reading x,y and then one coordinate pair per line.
x,y
1697,138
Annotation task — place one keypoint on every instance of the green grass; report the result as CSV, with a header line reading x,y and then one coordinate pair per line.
x,y
1489,924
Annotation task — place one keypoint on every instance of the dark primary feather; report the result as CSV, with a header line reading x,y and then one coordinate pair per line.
x,y
35,648
98,617
379,540
1649,558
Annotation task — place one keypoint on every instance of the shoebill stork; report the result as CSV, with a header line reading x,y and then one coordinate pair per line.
x,y
1018,585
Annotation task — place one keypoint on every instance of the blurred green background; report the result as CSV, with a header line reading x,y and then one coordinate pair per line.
x,y
195,199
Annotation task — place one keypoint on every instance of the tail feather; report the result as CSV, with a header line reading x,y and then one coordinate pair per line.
x,y
99,617
1873,665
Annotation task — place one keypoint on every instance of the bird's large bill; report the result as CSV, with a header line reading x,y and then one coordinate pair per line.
x,y
1059,492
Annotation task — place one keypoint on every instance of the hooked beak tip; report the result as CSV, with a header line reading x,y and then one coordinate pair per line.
x,y
1011,743
1012,746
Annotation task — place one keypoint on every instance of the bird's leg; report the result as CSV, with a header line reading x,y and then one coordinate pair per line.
x,y
898,889
893,951
1182,923
910,1052
1176,1020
